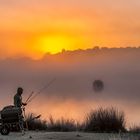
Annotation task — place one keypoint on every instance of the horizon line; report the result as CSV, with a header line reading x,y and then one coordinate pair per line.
x,y
63,51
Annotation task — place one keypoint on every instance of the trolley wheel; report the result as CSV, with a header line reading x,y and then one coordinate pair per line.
x,y
5,130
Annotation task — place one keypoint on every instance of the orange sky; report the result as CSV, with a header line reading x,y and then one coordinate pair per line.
x,y
34,27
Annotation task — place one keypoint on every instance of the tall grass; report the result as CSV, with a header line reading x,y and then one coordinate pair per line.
x,y
135,129
105,120
63,125
99,120
35,124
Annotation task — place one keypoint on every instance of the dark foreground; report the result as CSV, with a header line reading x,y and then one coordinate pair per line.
x,y
68,136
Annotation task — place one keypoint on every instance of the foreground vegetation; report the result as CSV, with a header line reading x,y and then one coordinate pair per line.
x,y
105,120
102,120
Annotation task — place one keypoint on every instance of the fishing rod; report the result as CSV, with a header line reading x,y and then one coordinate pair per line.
x,y
32,96
29,97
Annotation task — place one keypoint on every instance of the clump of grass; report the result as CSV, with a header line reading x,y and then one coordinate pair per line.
x,y
35,124
135,129
105,120
62,125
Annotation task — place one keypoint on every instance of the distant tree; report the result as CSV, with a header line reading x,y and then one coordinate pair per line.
x,y
96,48
98,85
63,50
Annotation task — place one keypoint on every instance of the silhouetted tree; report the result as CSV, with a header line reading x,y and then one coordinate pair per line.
x,y
98,85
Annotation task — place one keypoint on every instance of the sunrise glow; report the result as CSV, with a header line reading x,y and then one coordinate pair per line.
x,y
55,44
41,26
90,47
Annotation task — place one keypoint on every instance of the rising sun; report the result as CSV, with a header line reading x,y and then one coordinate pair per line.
x,y
55,44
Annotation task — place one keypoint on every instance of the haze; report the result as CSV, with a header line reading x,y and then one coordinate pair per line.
x,y
72,95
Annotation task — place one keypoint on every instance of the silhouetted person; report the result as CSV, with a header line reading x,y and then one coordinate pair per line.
x,y
18,98
18,103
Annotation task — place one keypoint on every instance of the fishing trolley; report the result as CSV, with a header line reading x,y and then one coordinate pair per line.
x,y
10,117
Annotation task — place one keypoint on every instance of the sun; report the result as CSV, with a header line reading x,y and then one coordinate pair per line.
x,y
55,44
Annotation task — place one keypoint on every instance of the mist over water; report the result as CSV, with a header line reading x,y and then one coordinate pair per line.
x,y
72,94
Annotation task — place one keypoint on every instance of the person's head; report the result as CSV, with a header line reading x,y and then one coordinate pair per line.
x,y
19,90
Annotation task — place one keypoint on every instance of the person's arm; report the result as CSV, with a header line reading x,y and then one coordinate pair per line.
x,y
22,103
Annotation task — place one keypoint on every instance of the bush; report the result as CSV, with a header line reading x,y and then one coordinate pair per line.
x,y
62,125
105,120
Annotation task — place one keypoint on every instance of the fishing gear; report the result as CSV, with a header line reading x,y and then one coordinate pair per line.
x,y
32,96
29,97
35,118
26,123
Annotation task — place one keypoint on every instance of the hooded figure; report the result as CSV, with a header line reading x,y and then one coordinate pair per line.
x,y
18,103
18,98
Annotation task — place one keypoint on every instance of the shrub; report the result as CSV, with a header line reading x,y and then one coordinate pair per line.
x,y
105,120
63,125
